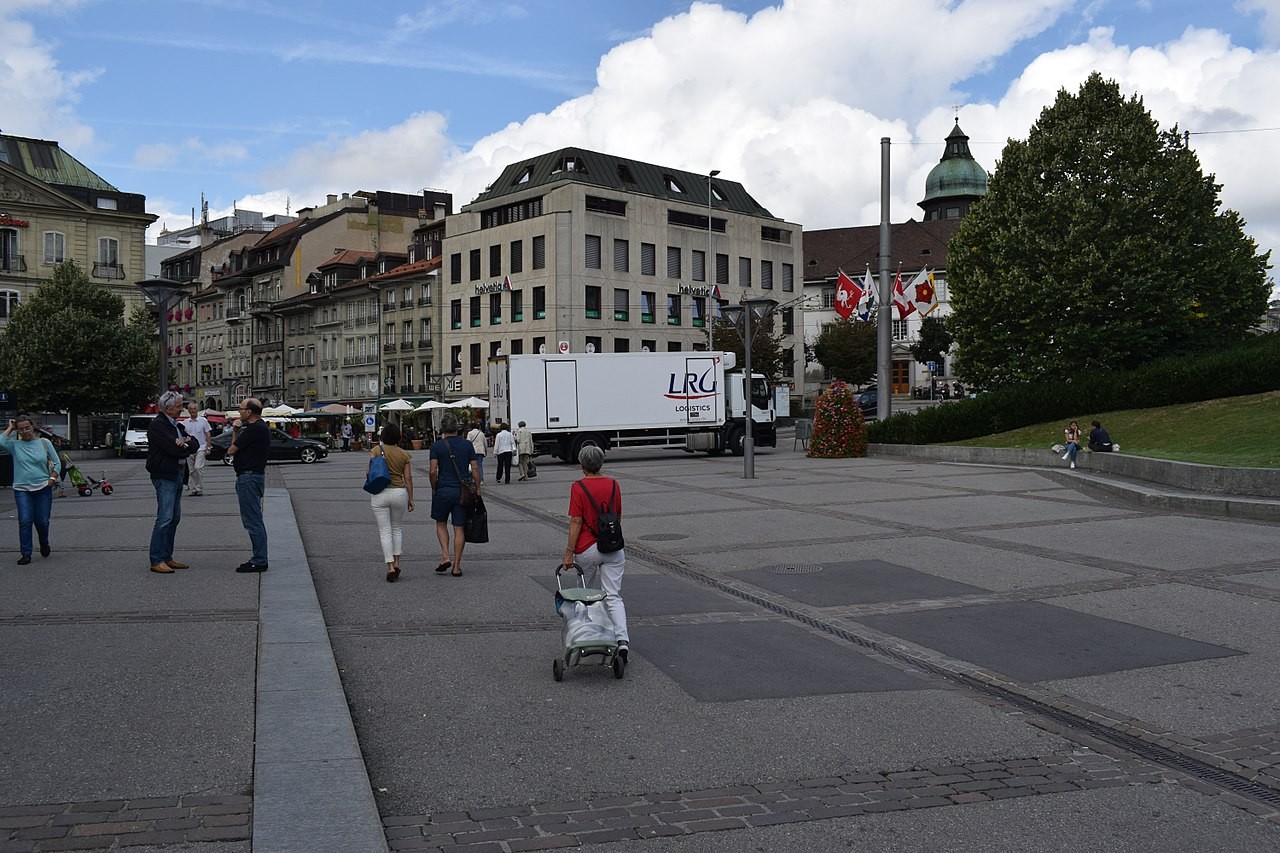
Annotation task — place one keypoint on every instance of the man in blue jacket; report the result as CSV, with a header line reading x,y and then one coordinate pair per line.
x,y
168,447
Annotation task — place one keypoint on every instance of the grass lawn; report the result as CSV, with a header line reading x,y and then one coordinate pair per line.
x,y
1233,432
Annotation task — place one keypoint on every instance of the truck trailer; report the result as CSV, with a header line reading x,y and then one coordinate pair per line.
x,y
692,401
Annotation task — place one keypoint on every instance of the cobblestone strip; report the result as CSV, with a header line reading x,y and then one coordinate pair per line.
x,y
547,826
129,617
1257,751
551,623
114,824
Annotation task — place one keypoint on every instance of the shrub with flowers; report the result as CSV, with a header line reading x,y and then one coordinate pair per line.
x,y
839,432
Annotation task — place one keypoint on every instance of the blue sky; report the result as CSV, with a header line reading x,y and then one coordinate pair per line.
x,y
271,102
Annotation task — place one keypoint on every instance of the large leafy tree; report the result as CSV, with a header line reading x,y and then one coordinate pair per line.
x,y
1100,243
67,348
934,341
848,349
768,355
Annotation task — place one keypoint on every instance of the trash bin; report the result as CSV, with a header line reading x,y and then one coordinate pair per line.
x,y
6,469
804,428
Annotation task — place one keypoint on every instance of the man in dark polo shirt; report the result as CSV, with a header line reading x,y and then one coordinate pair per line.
x,y
250,443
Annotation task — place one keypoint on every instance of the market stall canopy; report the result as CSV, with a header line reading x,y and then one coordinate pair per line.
x,y
338,409
433,404
470,403
283,411
401,405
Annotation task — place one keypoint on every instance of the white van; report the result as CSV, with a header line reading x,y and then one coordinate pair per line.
x,y
135,435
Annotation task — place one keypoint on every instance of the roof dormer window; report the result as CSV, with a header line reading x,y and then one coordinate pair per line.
x,y
523,177
673,186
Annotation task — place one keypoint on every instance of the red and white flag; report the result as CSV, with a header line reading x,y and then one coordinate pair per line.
x,y
848,295
900,301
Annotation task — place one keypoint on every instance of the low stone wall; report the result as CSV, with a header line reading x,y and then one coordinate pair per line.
x,y
1208,479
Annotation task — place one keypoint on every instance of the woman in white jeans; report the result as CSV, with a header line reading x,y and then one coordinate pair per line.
x,y
601,571
390,504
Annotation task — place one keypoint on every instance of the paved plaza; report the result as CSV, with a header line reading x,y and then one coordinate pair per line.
x,y
882,654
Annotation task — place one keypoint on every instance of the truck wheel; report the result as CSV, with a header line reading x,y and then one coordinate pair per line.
x,y
584,440
736,438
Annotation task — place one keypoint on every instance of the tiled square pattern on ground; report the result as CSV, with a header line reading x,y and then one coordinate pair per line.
x,y
660,595
763,660
856,582
1031,641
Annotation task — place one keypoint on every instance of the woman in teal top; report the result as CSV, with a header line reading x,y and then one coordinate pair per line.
x,y
35,467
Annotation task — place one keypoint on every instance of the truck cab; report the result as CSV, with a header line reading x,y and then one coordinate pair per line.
x,y
763,415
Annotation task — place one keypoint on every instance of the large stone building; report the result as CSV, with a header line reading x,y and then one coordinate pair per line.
x,y
586,252
951,188
53,208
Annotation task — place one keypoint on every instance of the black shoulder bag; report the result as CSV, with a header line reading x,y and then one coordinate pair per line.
x,y
608,530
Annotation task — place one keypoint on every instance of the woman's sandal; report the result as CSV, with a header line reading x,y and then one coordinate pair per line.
x,y
393,575
444,567
457,574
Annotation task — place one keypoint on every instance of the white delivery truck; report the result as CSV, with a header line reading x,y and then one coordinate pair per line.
x,y
686,400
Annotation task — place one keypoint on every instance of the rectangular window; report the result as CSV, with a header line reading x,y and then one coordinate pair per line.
x,y
517,256
744,272
621,304
648,301
699,265
673,262
539,345
539,303
621,256
517,346
55,246
899,330
475,312
455,314
673,346
495,261
517,306
593,251
455,358
495,308
698,311
828,297
108,265
594,344
722,269
766,275
673,309
788,321
406,333
455,268
539,252
474,262
495,349
424,333
648,259
474,355
648,346
788,278
593,302
596,204
621,345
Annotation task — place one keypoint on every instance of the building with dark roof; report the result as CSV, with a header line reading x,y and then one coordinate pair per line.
x,y
53,208
594,252
951,188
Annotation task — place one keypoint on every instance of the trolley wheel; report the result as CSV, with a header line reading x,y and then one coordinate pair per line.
x,y
106,489
619,667
84,491
557,669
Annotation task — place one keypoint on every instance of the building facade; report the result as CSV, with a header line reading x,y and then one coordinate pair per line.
x,y
53,208
586,252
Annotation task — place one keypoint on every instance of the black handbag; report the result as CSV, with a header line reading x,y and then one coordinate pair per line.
x,y
477,526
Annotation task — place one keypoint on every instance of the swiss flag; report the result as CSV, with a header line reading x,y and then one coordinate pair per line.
x,y
848,295
900,301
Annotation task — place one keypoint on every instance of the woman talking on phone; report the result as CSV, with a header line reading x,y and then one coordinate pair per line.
x,y
35,471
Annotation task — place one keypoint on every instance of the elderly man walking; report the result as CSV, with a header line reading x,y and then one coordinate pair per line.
x,y
168,446
197,427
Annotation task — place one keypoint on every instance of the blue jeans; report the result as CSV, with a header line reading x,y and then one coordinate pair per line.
x,y
1073,447
249,491
33,508
168,514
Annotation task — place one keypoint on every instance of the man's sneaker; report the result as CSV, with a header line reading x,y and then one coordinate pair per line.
x,y
248,566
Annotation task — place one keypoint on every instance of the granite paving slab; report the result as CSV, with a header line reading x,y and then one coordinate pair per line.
x,y
853,582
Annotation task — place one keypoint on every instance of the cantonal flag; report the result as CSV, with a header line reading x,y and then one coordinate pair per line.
x,y
848,295
900,301
926,293
868,295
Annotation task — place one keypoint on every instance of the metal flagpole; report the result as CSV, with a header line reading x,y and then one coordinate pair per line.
x,y
884,347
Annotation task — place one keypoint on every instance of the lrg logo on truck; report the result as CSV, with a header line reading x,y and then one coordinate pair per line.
x,y
695,386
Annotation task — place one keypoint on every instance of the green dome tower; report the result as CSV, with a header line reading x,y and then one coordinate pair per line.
x,y
956,182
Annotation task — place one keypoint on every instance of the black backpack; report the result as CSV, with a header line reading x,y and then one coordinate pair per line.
x,y
609,531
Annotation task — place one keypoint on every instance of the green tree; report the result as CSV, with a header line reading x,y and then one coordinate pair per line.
x,y
67,348
1100,243
768,355
848,349
934,341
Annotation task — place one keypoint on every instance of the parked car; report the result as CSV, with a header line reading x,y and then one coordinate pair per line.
x,y
868,401
283,446
135,435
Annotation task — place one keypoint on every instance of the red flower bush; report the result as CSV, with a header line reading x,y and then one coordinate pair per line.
x,y
839,432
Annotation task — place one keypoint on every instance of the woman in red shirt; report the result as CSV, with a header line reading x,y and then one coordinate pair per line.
x,y
602,571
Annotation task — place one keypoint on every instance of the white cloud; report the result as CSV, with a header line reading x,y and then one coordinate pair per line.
x,y
163,155
1269,26
37,98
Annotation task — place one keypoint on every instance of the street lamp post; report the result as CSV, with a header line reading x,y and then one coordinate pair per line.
x,y
161,291
741,316
708,264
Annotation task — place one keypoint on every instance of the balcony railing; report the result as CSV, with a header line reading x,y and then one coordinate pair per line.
x,y
388,347
388,306
101,270
406,303
357,360
18,263
424,344
234,315
424,301
404,345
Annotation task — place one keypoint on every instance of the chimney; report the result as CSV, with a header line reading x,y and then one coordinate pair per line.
x,y
440,209
330,198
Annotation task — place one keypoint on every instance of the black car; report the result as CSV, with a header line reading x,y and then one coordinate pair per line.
x,y
283,446
868,401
